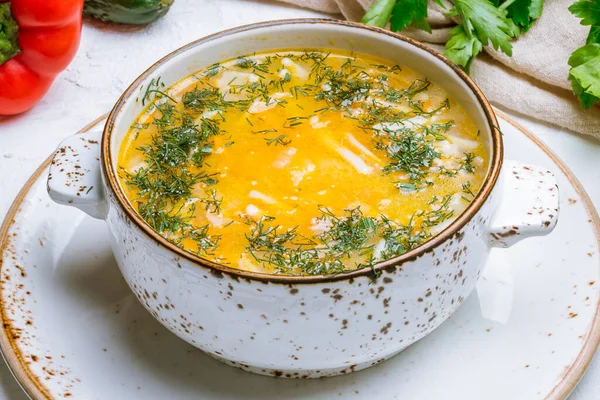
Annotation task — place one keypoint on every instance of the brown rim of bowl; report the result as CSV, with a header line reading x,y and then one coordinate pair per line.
x,y
497,153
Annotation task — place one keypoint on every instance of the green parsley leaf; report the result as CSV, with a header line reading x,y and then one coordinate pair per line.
x,y
518,11
586,100
594,36
410,12
481,22
585,74
588,11
462,48
536,8
585,61
524,12
379,13
481,19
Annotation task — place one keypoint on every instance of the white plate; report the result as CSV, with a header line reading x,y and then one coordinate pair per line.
x,y
72,328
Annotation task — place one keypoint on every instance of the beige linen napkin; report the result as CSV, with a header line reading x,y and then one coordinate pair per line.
x,y
534,81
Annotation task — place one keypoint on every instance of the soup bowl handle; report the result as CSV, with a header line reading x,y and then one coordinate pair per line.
x,y
75,177
529,205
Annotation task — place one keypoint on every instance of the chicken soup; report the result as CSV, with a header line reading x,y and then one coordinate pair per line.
x,y
301,162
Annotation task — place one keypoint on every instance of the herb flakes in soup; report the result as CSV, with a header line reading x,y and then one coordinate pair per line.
x,y
301,162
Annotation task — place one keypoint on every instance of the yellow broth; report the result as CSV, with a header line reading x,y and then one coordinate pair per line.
x,y
301,162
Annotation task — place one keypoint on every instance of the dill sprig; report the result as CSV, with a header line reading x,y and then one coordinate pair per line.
x,y
205,99
408,152
437,215
348,233
278,140
167,179
155,90
394,95
340,89
399,238
467,162
248,63
468,192
168,220
212,202
213,70
437,131
348,239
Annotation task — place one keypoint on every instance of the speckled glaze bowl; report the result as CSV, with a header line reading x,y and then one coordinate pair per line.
x,y
312,326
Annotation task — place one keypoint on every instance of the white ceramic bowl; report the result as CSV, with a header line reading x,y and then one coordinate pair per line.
x,y
313,326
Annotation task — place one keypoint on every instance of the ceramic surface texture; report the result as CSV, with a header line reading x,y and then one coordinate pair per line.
x,y
265,324
89,87
74,329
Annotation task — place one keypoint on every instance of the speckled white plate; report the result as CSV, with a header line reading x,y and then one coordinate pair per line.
x,y
72,328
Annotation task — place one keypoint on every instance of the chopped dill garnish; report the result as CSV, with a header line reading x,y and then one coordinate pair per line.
x,y
339,89
279,140
466,187
438,215
213,70
295,90
395,68
437,131
412,187
205,99
348,233
212,202
406,186
165,182
348,239
168,220
264,131
139,126
408,152
395,95
468,193
245,63
405,125
467,163
293,121
399,238
154,88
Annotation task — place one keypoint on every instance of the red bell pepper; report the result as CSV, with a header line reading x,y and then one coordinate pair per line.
x,y
38,39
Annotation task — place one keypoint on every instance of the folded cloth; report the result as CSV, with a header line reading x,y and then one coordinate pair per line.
x,y
533,82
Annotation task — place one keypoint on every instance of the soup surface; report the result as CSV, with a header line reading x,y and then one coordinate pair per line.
x,y
301,162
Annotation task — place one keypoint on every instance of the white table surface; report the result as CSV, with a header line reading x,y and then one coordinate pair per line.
x,y
110,57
